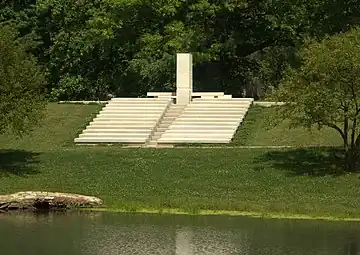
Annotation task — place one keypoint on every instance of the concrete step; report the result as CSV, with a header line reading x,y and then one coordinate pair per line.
x,y
137,99
174,112
125,135
122,118
115,124
200,131
128,115
125,120
200,127
204,119
219,106
172,116
224,99
155,137
110,140
212,116
198,135
115,130
214,111
167,122
131,111
161,130
166,118
192,140
203,123
149,106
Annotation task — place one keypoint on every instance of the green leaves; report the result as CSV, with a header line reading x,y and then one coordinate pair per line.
x,y
21,85
325,90
125,47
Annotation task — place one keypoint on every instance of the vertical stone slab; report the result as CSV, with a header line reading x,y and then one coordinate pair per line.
x,y
184,79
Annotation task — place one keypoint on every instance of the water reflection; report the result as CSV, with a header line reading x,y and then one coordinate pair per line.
x,y
108,234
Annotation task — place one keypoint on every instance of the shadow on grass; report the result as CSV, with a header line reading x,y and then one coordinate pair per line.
x,y
305,161
18,162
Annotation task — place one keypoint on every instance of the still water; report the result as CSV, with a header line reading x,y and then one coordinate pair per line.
x,y
110,233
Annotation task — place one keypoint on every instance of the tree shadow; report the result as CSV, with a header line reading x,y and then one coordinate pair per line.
x,y
320,161
18,162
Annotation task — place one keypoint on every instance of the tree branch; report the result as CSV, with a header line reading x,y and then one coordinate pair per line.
x,y
331,125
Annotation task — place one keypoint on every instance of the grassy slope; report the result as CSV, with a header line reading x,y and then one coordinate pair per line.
x,y
62,124
256,131
288,181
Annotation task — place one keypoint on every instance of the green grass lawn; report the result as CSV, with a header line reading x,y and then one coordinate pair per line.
x,y
255,131
289,181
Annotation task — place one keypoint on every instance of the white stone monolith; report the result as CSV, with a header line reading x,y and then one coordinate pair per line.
x,y
184,79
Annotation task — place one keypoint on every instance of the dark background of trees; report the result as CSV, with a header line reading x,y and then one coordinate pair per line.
x,y
90,48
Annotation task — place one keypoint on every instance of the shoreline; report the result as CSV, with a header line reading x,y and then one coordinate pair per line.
x,y
279,216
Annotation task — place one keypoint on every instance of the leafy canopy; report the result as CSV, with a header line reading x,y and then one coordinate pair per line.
x,y
325,90
21,83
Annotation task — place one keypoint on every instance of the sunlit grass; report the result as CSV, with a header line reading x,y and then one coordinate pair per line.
x,y
283,181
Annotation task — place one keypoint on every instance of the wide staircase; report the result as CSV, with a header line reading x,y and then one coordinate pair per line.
x,y
155,121
125,120
207,120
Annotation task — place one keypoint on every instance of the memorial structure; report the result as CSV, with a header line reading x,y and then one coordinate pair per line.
x,y
169,118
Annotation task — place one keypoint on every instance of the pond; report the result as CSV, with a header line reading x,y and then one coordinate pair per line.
x,y
115,233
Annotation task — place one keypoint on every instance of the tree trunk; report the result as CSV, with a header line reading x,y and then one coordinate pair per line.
x,y
352,159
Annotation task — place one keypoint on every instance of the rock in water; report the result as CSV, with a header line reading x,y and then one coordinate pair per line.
x,y
36,200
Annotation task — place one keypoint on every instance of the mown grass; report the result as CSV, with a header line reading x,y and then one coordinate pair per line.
x,y
284,181
258,131
280,181
62,123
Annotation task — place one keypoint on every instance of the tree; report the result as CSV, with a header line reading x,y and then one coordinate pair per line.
x,y
325,90
21,83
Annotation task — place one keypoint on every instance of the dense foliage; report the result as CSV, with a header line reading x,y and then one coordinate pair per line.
x,y
21,85
325,90
128,47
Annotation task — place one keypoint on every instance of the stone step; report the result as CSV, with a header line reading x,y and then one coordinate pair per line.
x,y
201,124
128,115
202,119
115,130
131,111
141,99
212,117
110,140
125,135
169,118
224,99
216,106
217,110
173,113
143,105
198,135
166,122
192,140
125,120
121,125
192,126
200,131
215,113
